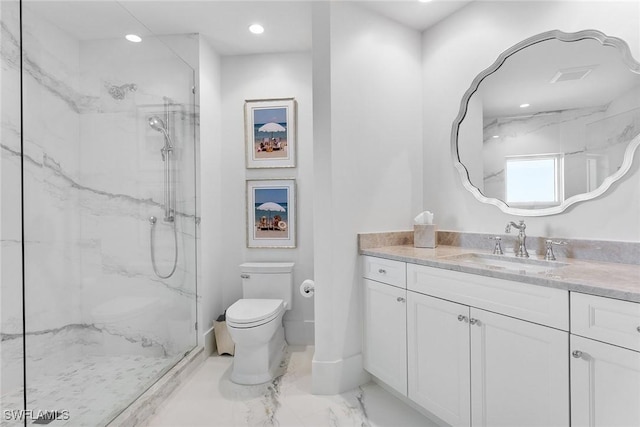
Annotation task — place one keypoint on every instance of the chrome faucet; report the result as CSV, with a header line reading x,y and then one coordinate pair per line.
x,y
522,237
549,255
497,249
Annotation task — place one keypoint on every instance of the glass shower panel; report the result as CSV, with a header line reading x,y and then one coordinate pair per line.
x,y
11,338
101,324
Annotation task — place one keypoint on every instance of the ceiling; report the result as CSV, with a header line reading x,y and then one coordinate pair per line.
x,y
526,77
224,23
414,14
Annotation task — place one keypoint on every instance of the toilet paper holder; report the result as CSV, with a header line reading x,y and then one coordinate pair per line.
x,y
307,288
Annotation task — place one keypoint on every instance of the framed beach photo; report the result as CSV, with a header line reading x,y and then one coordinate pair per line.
x,y
271,213
270,133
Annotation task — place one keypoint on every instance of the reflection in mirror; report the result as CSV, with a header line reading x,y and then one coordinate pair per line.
x,y
554,121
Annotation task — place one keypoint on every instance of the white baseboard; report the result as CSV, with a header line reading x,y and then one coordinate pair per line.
x,y
209,342
338,376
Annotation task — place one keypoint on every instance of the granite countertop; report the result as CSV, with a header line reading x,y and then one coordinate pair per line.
x,y
613,280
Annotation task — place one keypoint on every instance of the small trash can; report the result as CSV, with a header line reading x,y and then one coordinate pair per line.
x,y
224,343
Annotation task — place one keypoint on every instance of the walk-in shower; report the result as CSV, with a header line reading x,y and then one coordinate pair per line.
x,y
98,133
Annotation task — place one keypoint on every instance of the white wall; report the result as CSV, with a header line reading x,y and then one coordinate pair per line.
x,y
264,77
367,158
454,52
209,187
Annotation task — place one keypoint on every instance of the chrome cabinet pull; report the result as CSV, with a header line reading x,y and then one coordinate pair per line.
x,y
577,354
245,276
382,271
400,299
462,318
474,321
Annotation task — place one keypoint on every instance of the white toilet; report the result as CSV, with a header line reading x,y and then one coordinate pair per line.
x,y
255,321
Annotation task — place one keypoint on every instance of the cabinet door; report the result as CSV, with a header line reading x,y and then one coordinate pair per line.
x,y
385,334
438,357
605,385
519,372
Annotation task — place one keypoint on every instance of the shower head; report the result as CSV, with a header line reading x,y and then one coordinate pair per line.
x,y
157,124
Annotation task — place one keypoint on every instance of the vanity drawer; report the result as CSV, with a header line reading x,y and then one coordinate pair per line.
x,y
538,304
605,319
385,271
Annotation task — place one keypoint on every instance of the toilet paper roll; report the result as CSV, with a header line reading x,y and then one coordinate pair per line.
x,y
307,288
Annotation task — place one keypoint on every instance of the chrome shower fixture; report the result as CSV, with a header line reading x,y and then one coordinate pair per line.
x,y
119,92
158,125
166,151
162,126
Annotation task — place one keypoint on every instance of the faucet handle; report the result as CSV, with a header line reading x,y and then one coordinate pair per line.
x,y
497,250
549,255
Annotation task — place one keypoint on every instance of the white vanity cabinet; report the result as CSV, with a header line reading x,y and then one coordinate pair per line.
x,y
519,372
470,366
438,357
605,362
482,352
385,327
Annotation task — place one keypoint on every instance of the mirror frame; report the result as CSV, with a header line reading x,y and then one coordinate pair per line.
x,y
605,40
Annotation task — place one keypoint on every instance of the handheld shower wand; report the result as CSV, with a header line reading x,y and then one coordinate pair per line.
x,y
157,124
166,151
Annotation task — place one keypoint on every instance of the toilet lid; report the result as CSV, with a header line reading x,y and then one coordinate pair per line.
x,y
253,310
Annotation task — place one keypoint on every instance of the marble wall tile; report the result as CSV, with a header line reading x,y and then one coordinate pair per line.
x,y
11,357
595,250
392,238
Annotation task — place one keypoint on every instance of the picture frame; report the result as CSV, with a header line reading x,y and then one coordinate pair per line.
x,y
270,133
271,213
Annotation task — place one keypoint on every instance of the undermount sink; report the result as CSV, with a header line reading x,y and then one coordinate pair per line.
x,y
508,263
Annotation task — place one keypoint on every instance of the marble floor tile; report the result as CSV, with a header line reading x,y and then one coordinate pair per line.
x,y
208,397
90,388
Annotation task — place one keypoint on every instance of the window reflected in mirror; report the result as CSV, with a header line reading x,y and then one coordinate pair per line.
x,y
534,180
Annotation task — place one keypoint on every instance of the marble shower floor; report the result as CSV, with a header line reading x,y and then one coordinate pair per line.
x,y
89,387
209,398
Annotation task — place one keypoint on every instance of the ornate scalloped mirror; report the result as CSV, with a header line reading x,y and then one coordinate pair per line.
x,y
555,120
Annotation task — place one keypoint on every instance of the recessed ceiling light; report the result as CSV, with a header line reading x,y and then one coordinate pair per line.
x,y
256,29
133,38
496,136
424,1
524,105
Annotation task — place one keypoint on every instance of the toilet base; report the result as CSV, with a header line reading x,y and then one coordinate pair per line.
x,y
257,364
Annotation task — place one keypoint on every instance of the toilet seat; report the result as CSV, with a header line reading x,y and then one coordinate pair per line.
x,y
249,313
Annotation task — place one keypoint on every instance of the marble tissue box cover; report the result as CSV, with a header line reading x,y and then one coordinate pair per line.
x,y
424,236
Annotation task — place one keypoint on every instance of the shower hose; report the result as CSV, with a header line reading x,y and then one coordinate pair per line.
x,y
152,233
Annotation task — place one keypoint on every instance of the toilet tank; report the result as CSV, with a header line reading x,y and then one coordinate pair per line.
x,y
266,280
